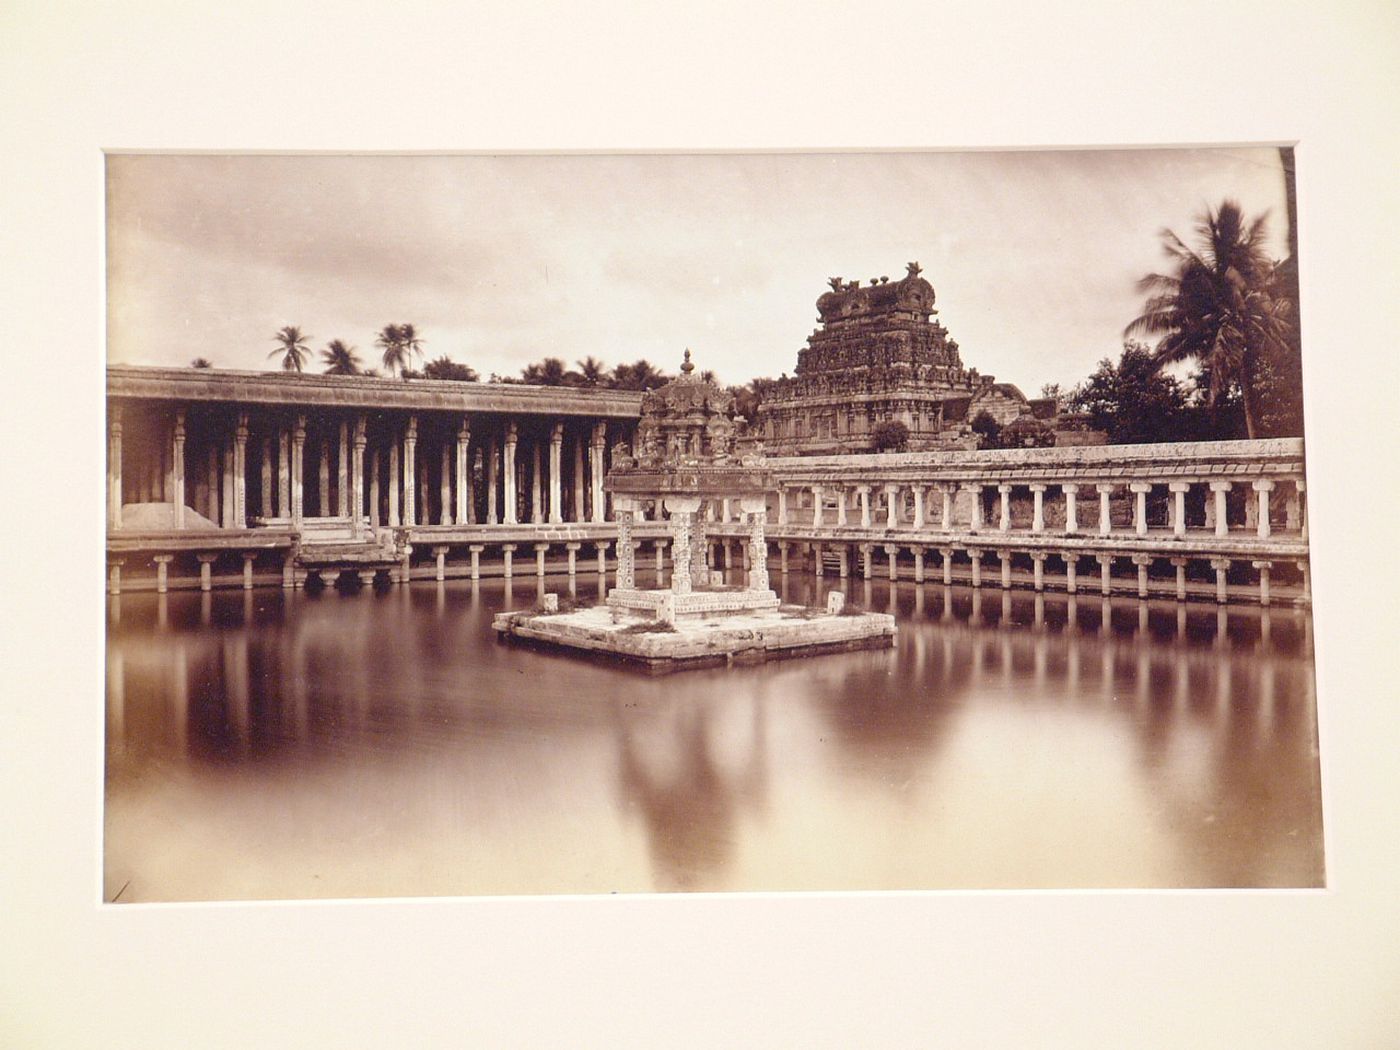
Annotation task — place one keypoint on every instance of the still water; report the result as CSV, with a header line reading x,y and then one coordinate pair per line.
x,y
270,745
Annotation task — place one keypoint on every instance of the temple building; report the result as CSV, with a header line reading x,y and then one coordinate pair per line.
x,y
880,355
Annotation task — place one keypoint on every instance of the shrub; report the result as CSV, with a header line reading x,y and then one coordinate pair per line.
x,y
890,436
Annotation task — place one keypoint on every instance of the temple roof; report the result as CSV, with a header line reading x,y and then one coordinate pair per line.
x,y
847,299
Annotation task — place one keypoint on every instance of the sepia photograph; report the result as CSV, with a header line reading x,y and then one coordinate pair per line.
x,y
629,523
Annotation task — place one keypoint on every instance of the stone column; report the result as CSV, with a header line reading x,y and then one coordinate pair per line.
x,y
782,505
226,519
863,491
573,549
177,468
446,510
1071,492
1142,561
1302,570
465,511
866,556
816,506
842,498
240,473
1105,509
946,553
947,507
919,521
1105,573
1221,513
892,552
298,478
374,488
556,477
540,549
114,475
578,480
289,573
248,558
659,544
284,473
357,476
1300,488
440,553
1263,488
323,474
757,512
1004,525
918,562
507,551
1221,566
976,556
1264,568
975,521
1140,489
395,484
682,557
817,568
782,557
266,496
891,506
844,552
536,489
1038,516
211,506
206,578
342,470
163,571
410,473
602,550
1071,572
1038,561
508,469
1180,565
1005,558
626,576
1178,490
600,435
493,516
475,550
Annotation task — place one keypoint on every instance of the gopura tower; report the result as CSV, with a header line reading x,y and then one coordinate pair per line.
x,y
879,355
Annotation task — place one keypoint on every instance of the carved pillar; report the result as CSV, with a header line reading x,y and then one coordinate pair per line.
x,y
918,562
1005,558
841,500
394,485
1105,509
114,471
573,549
475,550
1180,565
540,549
892,552
817,506
284,473
946,553
1071,572
1221,509
1105,573
626,576
1264,568
1038,560
602,551
683,512
342,470
1071,492
445,508
782,505
323,474
226,518
976,556
507,560
556,478
919,506
298,480
508,469
374,488
1038,515
410,473
1221,567
1263,488
357,476
1004,525
536,489
265,496
493,516
466,512
578,515
863,491
947,507
240,473
177,468
1142,561
600,431
891,506
974,523
867,553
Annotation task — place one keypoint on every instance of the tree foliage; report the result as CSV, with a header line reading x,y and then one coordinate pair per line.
x,y
400,344
890,435
291,344
987,429
1221,305
340,360
446,368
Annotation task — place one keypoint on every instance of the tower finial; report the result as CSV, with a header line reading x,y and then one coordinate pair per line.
x,y
686,366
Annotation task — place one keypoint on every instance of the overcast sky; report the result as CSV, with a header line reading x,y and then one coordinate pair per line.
x,y
500,261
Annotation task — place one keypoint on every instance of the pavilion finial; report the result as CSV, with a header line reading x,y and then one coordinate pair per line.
x,y
914,269
686,366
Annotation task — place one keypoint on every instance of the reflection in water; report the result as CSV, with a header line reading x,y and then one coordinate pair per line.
x,y
286,744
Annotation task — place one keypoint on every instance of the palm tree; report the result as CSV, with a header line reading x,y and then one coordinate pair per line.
x,y
549,372
593,371
641,375
1218,306
292,346
341,360
399,343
